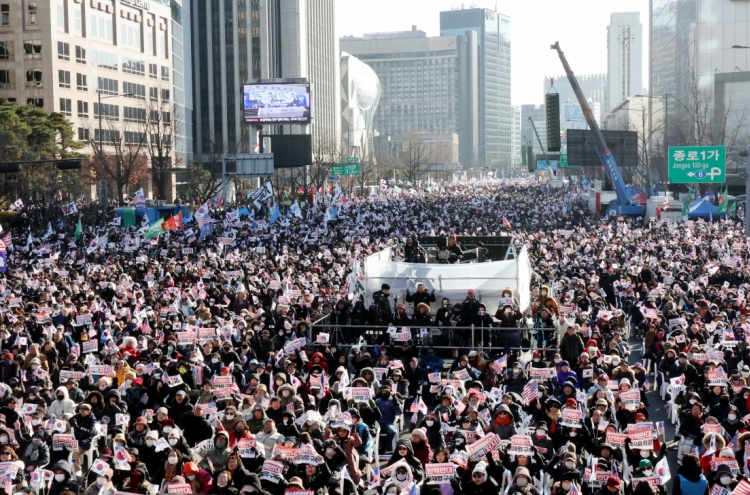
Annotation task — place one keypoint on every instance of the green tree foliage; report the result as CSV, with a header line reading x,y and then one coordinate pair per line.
x,y
30,133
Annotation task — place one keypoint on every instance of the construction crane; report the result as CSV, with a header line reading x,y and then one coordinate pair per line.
x,y
623,205
544,152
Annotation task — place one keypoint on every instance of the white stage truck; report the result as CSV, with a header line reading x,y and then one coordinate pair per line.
x,y
452,266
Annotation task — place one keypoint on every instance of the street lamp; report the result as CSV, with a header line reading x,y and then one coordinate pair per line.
x,y
102,182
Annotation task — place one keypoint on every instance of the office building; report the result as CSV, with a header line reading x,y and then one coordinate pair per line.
x,y
515,136
495,118
59,54
624,58
692,58
360,96
182,79
428,84
539,117
235,41
594,87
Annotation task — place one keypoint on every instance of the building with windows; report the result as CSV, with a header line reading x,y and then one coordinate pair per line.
x,y
235,41
61,54
515,136
493,41
624,58
429,85
699,57
594,87
539,117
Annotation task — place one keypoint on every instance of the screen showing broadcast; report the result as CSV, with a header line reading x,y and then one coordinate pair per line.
x,y
277,103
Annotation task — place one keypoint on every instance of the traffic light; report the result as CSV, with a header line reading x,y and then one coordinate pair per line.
x,y
553,121
74,164
10,169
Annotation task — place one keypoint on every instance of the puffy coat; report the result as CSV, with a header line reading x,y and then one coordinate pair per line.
x,y
60,408
268,440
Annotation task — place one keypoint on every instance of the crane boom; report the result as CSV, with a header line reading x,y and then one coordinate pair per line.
x,y
623,205
546,161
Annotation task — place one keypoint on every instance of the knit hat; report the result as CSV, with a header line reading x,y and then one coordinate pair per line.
x,y
613,482
419,432
481,468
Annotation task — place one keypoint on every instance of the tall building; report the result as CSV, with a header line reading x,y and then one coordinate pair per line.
x,y
182,78
360,96
594,87
624,58
495,118
235,41
515,136
60,54
692,57
537,114
428,84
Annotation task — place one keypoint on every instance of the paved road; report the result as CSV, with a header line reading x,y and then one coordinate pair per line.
x,y
657,409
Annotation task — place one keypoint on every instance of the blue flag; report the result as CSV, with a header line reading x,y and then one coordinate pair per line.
x,y
275,215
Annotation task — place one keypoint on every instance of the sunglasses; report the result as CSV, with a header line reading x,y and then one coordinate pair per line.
x,y
477,475
4,453
401,448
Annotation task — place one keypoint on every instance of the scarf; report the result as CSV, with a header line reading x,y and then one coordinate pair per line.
x,y
504,421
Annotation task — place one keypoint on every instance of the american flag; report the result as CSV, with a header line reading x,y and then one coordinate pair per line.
x,y
226,300
743,488
413,490
660,428
530,391
574,489
733,441
500,364
208,409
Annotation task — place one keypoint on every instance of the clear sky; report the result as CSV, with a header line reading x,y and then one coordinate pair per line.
x,y
579,25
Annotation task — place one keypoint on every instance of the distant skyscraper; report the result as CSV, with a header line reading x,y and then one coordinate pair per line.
x,y
624,58
539,117
239,40
429,85
495,117
515,135
594,87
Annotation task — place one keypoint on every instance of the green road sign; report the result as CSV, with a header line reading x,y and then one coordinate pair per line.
x,y
352,159
345,169
564,162
697,164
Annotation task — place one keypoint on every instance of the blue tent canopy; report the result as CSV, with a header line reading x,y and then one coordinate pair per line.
x,y
701,208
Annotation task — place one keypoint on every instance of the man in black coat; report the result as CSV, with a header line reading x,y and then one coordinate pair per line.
x,y
194,426
383,312
421,296
83,430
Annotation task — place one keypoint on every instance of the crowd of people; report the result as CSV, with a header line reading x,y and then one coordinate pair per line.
x,y
186,363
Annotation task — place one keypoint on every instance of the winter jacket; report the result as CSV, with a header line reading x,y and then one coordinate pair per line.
x,y
68,483
390,410
59,408
218,456
268,440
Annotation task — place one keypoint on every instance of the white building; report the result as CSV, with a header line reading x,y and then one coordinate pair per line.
x,y
59,54
515,136
359,101
624,58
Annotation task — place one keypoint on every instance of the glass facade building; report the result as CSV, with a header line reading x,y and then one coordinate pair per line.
x,y
495,116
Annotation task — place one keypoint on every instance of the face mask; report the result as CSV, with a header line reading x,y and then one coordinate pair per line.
x,y
172,460
540,433
285,393
221,444
214,360
645,454
566,485
36,441
725,480
693,401
32,397
647,472
172,442
170,348
592,350
573,434
229,416
429,423
190,477
59,478
557,360
62,397
616,362
3,439
522,482
401,477
731,417
100,481
330,452
167,429
570,464
150,443
459,441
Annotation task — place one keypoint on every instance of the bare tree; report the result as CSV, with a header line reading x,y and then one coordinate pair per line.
x,y
124,148
413,157
163,125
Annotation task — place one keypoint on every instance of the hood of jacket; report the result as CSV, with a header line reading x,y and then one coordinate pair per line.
x,y
62,465
288,387
405,443
62,390
252,480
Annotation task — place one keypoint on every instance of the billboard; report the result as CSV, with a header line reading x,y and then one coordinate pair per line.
x,y
573,111
277,103
291,150
582,148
